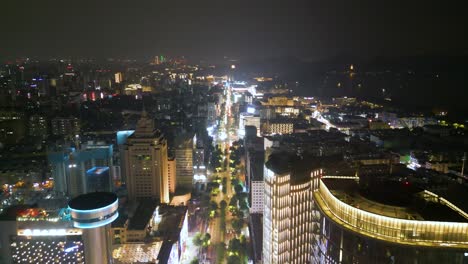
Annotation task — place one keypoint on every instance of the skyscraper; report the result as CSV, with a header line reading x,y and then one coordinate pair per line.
x,y
311,217
93,213
118,77
287,210
184,160
69,165
145,160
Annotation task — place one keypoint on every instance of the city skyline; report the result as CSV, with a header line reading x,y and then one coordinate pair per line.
x,y
233,132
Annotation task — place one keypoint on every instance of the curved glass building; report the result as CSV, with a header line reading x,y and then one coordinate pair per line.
x,y
351,228
310,217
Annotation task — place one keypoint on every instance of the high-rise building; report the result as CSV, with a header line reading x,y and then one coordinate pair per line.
x,y
65,126
69,165
310,217
352,228
254,174
37,126
93,213
118,77
145,162
287,211
98,179
211,113
184,146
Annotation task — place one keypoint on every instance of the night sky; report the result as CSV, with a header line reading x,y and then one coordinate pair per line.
x,y
241,29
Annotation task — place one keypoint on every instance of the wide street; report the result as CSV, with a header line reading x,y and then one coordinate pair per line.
x,y
224,137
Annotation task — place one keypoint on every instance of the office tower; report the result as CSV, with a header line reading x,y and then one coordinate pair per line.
x,y
65,126
352,227
184,160
93,213
118,77
288,203
37,126
254,172
69,165
311,217
211,113
98,179
145,162
199,167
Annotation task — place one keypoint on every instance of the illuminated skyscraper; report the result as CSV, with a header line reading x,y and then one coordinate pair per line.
x,y
145,160
69,166
184,145
311,217
287,211
118,77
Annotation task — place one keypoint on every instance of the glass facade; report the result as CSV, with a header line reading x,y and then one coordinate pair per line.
x,y
346,234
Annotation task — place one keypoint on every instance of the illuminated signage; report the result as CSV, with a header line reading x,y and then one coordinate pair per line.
x,y
48,232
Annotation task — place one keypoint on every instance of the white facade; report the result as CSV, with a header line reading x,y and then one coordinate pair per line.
x,y
287,228
280,128
247,119
257,192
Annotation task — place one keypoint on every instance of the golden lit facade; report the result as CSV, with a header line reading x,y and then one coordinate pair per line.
x,y
346,234
287,218
145,158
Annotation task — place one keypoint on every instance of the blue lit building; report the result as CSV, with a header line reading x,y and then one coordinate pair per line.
x,y
70,165
98,180
93,213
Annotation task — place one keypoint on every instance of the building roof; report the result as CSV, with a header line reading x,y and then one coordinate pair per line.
x,y
143,214
257,161
298,165
170,226
349,192
92,201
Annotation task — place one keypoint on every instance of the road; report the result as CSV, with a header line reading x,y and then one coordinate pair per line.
x,y
228,135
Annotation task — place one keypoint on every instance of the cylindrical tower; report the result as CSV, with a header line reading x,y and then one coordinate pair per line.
x,y
93,212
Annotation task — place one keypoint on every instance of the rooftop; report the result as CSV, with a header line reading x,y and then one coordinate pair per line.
x,y
417,208
92,201
257,160
339,201
143,214
299,166
170,225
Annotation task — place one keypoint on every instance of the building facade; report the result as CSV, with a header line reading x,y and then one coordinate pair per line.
x,y
184,147
287,215
347,233
145,162
171,174
310,217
